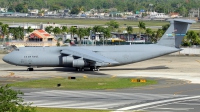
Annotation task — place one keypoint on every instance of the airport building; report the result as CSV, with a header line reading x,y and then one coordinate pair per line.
x,y
36,38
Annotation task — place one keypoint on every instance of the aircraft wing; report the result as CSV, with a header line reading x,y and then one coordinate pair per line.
x,y
86,54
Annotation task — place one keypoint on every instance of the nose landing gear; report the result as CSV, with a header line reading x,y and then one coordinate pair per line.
x,y
30,69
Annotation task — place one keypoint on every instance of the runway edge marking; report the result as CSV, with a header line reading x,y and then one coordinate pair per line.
x,y
154,103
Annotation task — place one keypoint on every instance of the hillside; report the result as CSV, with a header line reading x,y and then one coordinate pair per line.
x,y
181,6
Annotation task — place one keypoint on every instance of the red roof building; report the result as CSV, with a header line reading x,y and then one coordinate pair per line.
x,y
37,38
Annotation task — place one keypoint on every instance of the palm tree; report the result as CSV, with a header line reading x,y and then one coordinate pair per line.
x,y
12,31
18,33
106,32
29,30
192,37
97,29
56,31
49,29
165,27
81,34
129,29
4,30
159,34
148,32
153,37
72,30
113,25
21,33
141,26
64,29
1,23
87,32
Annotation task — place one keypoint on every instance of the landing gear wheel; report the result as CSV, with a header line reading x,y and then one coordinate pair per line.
x,y
30,69
94,69
80,69
91,68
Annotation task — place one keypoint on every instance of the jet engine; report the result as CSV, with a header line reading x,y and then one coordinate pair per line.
x,y
67,60
79,63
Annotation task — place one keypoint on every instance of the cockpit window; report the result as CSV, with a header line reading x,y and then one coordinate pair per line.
x,y
14,48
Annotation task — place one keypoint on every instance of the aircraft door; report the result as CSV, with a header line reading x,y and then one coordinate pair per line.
x,y
29,61
23,61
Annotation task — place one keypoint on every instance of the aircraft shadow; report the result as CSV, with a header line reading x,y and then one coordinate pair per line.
x,y
61,69
88,72
148,68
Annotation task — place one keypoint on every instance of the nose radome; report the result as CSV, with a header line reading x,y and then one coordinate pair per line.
x,y
5,58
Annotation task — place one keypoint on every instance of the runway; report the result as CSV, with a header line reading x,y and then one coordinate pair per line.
x,y
117,101
177,89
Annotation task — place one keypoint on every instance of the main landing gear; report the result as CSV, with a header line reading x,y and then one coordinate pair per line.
x,y
30,69
94,69
80,69
91,69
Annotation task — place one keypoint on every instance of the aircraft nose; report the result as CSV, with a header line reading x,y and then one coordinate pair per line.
x,y
6,59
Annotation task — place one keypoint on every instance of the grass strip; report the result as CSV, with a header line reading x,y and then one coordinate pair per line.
x,y
83,83
74,21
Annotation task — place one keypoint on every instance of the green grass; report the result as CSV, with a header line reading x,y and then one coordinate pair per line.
x,y
67,110
83,83
73,21
78,21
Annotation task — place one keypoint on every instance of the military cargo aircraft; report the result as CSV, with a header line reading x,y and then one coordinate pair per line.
x,y
94,57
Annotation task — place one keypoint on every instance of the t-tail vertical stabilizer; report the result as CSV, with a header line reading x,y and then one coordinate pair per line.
x,y
175,33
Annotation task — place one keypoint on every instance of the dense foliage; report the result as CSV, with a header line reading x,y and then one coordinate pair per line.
x,y
10,101
181,6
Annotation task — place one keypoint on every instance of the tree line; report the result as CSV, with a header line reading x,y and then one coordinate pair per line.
x,y
165,6
191,38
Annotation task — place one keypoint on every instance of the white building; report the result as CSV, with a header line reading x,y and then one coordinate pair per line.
x,y
158,15
128,13
3,10
33,12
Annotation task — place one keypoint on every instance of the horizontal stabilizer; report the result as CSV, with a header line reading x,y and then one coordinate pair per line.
x,y
86,54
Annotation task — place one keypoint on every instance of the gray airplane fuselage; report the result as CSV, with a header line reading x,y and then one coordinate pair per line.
x,y
52,57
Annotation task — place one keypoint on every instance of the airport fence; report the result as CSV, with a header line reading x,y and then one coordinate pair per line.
x,y
188,51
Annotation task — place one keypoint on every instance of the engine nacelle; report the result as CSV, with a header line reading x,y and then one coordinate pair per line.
x,y
79,63
67,60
